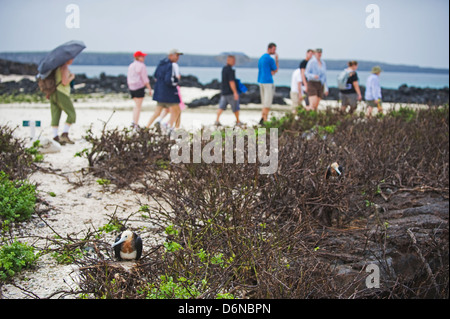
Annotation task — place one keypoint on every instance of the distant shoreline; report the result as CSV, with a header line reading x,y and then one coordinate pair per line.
x,y
197,60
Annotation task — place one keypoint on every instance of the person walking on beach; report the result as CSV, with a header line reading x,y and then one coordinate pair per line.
x,y
60,101
296,92
373,91
309,55
352,94
164,112
267,67
316,75
229,91
166,92
137,80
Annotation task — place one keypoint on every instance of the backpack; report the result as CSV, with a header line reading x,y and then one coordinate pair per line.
x,y
342,79
48,85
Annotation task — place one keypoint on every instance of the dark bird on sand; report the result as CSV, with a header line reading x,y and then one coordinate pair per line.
x,y
334,170
128,246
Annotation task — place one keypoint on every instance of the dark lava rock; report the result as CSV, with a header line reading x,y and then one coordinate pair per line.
x,y
9,67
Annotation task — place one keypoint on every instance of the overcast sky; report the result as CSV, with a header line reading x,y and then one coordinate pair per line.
x,y
412,32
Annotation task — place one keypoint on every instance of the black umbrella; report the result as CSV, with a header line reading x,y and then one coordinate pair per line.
x,y
59,56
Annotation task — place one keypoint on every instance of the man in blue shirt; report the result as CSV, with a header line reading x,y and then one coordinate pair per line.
x,y
267,67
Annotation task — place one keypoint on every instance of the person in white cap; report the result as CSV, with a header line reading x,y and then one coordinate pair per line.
x,y
166,92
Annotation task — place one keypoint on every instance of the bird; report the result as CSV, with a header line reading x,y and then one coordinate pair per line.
x,y
334,170
128,246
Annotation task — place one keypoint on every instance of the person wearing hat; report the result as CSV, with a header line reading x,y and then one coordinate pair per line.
x,y
166,92
137,80
373,91
316,75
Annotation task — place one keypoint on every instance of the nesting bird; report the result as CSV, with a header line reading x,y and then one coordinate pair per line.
x,y
128,246
334,170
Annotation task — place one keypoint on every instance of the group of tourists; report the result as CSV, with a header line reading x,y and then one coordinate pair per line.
x,y
308,85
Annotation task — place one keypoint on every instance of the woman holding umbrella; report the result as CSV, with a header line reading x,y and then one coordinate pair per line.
x,y
57,63
60,101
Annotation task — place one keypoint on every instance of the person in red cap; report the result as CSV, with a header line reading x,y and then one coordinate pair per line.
x,y
137,80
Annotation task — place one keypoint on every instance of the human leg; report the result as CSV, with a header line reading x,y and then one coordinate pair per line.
x,y
66,105
157,113
137,109
174,114
267,91
55,113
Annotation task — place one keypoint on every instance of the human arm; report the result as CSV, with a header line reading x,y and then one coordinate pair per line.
x,y
275,65
146,81
325,83
66,76
310,71
357,89
377,89
149,89
234,89
305,83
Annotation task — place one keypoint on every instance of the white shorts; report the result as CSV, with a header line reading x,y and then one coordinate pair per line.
x,y
267,91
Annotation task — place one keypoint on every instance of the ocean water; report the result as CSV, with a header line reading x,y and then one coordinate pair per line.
x,y
390,80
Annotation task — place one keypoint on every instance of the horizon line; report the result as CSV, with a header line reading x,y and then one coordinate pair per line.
x,y
216,55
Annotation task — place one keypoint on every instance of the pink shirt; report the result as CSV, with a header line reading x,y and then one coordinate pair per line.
x,y
137,75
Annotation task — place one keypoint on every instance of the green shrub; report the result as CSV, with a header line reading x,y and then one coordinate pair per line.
x,y
17,199
170,289
405,113
14,258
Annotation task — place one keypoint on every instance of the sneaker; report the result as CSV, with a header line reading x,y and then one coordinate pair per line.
x,y
240,124
57,139
217,123
261,122
65,139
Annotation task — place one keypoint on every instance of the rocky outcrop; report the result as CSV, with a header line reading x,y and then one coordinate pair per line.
x,y
118,84
406,94
9,67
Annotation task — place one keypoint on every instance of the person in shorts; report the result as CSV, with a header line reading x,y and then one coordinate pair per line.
x,y
296,93
137,80
229,92
302,66
316,75
166,92
351,95
267,67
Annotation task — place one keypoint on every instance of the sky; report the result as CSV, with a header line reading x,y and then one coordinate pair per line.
x,y
410,32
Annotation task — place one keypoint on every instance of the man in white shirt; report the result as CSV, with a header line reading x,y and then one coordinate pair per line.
x,y
296,93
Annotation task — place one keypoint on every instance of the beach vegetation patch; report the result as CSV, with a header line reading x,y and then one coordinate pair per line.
x,y
14,258
17,199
